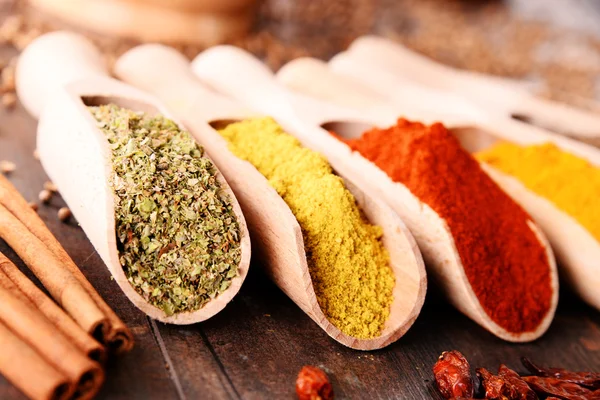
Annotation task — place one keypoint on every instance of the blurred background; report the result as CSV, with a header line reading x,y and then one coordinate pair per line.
x,y
552,46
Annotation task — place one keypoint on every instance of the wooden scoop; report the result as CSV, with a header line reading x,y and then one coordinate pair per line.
x,y
58,75
576,249
499,96
241,76
166,73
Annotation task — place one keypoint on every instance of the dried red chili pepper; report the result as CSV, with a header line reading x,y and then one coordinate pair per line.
x,y
558,388
588,379
313,384
496,387
453,375
523,390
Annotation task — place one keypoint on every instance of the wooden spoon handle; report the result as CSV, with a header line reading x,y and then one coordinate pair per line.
x,y
314,78
417,101
238,74
165,73
51,62
498,95
558,117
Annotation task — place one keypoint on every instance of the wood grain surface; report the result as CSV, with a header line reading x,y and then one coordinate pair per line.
x,y
255,347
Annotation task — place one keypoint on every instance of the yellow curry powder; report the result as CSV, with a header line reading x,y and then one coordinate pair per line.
x,y
348,264
568,181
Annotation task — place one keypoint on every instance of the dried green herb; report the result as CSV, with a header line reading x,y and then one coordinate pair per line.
x,y
179,239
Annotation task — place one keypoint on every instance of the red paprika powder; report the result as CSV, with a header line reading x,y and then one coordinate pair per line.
x,y
503,260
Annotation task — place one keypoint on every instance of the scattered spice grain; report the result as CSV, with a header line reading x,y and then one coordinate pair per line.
x,y
179,238
8,79
6,167
348,264
9,100
50,186
45,196
64,214
503,260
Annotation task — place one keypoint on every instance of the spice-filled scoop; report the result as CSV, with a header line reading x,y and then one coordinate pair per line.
x,y
554,178
483,250
496,95
345,258
153,204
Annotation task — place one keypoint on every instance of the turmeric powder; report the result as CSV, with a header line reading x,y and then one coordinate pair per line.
x,y
570,182
347,261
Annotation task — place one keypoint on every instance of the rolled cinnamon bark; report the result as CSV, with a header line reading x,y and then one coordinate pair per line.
x,y
61,284
32,327
115,333
20,286
29,372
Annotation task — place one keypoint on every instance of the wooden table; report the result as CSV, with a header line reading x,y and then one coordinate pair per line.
x,y
256,346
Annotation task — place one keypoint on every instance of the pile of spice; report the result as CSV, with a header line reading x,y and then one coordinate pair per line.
x,y
347,261
178,234
453,377
503,260
568,181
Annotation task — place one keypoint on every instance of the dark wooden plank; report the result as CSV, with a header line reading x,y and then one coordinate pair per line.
x,y
194,363
262,340
143,371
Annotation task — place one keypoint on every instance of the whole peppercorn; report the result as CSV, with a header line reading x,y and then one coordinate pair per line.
x,y
312,384
6,167
64,214
45,196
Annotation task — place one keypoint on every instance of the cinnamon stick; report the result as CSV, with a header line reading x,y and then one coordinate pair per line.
x,y
116,334
32,327
29,372
61,284
14,280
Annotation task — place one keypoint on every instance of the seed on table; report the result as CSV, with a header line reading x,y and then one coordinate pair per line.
x,y
50,187
64,214
11,26
45,196
8,79
33,205
7,167
9,100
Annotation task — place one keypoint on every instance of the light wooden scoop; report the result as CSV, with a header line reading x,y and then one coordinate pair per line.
x,y
166,73
576,249
496,95
58,75
241,76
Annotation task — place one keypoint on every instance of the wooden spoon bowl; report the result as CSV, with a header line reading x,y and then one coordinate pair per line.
x,y
58,75
276,233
